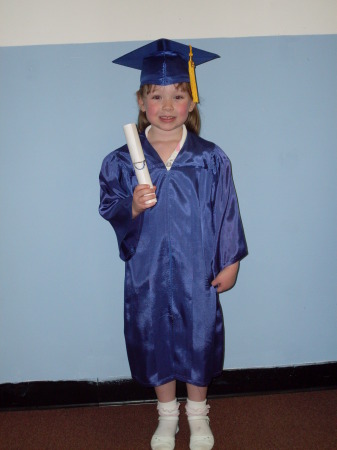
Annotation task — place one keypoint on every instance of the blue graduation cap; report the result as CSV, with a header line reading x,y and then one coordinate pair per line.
x,y
165,62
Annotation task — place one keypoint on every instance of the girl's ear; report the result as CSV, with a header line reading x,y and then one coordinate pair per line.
x,y
192,105
141,104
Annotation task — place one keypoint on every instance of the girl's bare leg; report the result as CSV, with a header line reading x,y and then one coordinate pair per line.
x,y
166,392
196,393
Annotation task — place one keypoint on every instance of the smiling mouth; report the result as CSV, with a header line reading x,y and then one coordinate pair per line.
x,y
167,117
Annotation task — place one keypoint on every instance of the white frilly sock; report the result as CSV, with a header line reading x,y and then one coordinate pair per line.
x,y
201,434
164,436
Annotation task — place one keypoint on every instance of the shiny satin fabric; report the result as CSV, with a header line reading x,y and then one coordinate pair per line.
x,y
173,320
163,69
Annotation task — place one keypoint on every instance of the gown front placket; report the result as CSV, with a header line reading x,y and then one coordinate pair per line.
x,y
168,164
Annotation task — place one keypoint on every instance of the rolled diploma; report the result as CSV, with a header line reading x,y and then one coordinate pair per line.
x,y
137,154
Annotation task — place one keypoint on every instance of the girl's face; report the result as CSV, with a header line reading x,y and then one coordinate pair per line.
x,y
166,107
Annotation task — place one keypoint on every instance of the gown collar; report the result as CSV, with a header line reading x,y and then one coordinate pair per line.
x,y
175,152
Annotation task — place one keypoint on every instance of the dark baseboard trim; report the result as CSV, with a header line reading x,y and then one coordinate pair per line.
x,y
56,394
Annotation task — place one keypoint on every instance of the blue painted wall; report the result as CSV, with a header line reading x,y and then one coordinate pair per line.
x,y
270,103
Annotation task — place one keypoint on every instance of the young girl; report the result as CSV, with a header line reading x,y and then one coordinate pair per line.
x,y
182,240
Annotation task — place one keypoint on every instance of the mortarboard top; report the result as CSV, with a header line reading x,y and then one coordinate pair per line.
x,y
165,62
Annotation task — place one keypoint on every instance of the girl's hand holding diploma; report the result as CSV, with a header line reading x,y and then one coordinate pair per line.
x,y
144,197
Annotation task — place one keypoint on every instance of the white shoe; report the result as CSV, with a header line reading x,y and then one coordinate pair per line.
x,y
163,442
201,442
159,442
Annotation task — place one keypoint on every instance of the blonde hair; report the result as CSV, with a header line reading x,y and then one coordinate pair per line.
x,y
193,121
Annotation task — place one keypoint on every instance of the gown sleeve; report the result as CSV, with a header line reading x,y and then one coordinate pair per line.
x,y
230,242
116,196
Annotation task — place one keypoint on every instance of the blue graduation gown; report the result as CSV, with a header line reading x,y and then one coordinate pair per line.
x,y
173,321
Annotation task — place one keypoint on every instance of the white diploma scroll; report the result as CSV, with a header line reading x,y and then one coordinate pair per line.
x,y
137,154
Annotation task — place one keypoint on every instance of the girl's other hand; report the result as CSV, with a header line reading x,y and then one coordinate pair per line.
x,y
226,278
144,197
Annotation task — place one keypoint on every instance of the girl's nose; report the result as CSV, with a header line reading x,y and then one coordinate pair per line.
x,y
167,104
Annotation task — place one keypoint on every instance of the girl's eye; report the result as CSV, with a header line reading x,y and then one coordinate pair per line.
x,y
155,97
179,97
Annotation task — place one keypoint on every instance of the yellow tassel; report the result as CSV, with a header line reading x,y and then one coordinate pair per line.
x,y
193,81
